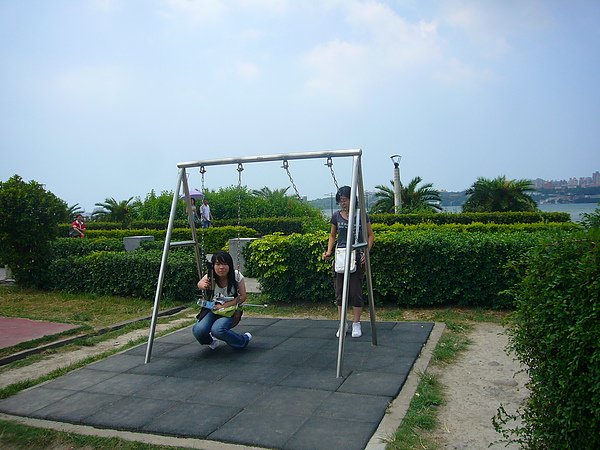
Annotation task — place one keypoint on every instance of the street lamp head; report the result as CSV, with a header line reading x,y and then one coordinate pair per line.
x,y
396,159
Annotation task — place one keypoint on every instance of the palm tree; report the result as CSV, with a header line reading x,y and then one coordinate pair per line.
x,y
266,193
75,209
499,194
114,211
414,199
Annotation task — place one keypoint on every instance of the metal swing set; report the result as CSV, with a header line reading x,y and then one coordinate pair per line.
x,y
356,192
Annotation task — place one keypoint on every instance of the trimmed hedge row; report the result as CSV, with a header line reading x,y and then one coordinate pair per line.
x,y
215,238
262,225
69,247
126,274
482,227
410,268
422,268
555,333
464,218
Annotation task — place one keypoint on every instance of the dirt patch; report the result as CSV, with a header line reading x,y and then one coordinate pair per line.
x,y
484,377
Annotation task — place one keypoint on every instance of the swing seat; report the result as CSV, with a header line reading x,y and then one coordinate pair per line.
x,y
232,311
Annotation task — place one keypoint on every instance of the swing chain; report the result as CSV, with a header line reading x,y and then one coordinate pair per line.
x,y
287,169
329,164
202,172
240,169
204,262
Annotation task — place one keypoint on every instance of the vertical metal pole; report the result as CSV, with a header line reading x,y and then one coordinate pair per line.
x,y
363,219
349,241
397,189
163,265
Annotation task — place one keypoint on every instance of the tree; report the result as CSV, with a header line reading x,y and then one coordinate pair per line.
x,y
158,207
267,194
499,194
29,218
72,211
415,199
114,211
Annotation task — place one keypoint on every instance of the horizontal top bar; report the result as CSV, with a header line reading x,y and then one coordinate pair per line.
x,y
265,158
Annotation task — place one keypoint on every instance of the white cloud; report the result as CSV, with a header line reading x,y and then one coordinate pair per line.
x,y
91,86
194,10
247,71
339,69
387,44
491,25
453,71
273,6
107,6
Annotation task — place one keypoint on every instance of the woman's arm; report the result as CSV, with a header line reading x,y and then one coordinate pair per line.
x,y
204,283
330,241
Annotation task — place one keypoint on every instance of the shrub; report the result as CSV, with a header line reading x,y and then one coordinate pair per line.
x,y
67,247
290,268
479,227
29,218
464,218
126,274
436,267
215,238
555,334
424,268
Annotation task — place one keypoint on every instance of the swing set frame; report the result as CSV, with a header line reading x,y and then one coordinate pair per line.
x,y
356,192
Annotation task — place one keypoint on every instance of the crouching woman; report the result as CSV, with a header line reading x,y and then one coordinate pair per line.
x,y
229,288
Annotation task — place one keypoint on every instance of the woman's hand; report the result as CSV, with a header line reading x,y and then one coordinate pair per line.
x,y
204,283
326,254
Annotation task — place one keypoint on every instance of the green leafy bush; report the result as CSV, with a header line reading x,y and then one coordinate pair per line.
x,y
263,225
436,267
67,247
215,238
482,217
410,268
479,227
290,268
126,274
29,218
555,334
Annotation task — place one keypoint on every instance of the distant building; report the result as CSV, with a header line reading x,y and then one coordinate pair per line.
x,y
572,183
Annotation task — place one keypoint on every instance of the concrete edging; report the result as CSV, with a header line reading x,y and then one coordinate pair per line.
x,y
399,406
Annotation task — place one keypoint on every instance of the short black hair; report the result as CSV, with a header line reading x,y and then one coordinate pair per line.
x,y
344,191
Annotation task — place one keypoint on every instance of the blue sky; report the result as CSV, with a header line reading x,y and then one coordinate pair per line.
x,y
102,98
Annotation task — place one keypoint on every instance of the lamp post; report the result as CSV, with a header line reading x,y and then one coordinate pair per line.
x,y
397,191
330,202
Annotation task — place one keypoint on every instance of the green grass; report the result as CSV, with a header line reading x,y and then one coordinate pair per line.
x,y
79,309
420,417
22,437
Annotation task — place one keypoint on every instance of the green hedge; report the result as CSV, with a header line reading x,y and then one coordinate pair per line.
x,y
262,225
555,333
482,227
424,268
464,218
435,267
290,268
67,247
126,274
215,238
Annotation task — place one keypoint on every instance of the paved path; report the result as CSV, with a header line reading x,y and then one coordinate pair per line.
x,y
13,331
280,392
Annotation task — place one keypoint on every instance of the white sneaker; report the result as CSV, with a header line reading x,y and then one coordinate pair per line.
x,y
356,331
249,336
337,333
214,344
